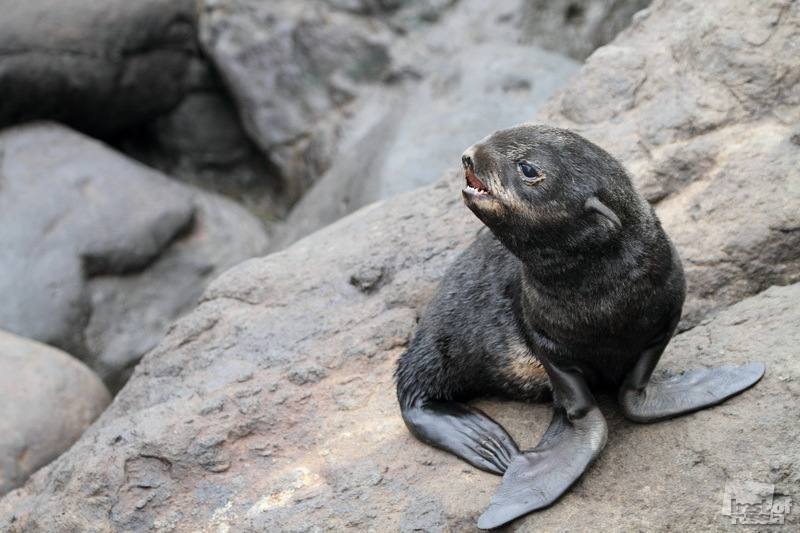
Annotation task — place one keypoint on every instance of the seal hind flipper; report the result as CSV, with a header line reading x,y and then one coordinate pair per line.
x,y
464,431
688,391
538,477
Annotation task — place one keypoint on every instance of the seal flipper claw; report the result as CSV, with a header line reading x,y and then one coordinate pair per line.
x,y
536,478
688,391
464,431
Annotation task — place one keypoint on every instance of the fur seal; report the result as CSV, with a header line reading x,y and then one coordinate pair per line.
x,y
575,288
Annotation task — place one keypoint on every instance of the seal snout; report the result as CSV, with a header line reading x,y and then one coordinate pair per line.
x,y
474,185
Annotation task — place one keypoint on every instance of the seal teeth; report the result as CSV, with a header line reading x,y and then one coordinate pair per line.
x,y
474,183
473,190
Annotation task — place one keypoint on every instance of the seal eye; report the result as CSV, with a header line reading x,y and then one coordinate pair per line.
x,y
528,170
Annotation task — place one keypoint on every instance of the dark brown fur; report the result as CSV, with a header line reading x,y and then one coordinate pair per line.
x,y
593,293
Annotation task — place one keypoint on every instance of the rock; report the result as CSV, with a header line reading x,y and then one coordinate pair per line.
x,y
258,401
201,142
397,10
101,253
576,27
47,399
211,433
291,68
702,112
99,66
413,139
300,72
131,73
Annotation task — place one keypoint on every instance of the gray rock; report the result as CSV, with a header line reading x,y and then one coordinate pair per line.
x,y
47,399
201,142
223,439
411,139
101,253
291,67
225,406
299,71
203,128
132,74
98,66
576,27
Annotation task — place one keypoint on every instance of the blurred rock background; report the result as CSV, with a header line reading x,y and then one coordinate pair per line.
x,y
147,147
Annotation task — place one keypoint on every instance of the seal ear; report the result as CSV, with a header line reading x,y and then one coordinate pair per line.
x,y
594,204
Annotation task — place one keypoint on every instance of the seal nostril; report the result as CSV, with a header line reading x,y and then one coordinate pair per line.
x,y
466,161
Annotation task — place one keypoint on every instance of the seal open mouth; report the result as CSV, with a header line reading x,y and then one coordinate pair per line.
x,y
474,185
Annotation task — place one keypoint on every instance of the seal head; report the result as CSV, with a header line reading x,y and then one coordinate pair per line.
x,y
536,186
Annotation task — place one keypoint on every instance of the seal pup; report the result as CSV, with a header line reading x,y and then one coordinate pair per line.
x,y
575,288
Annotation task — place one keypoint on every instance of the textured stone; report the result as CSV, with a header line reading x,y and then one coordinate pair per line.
x,y
47,399
576,27
224,439
291,66
411,139
101,253
99,66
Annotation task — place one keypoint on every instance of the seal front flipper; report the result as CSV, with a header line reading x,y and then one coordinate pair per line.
x,y
574,439
688,391
644,399
464,431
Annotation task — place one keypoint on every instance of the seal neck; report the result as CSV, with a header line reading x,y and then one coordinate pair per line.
x,y
592,267
566,256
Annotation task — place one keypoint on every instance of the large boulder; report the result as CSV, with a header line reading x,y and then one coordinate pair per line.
x,y
132,74
100,253
291,67
271,405
409,139
47,399
300,71
98,66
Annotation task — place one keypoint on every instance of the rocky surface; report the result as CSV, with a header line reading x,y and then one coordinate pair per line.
x,y
271,405
291,66
576,27
132,73
305,76
47,399
98,66
101,253
412,137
